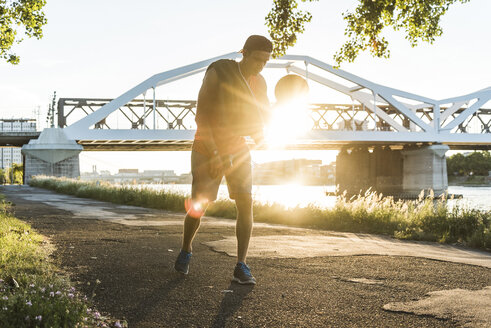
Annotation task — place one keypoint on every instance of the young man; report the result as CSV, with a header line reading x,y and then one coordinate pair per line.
x,y
232,103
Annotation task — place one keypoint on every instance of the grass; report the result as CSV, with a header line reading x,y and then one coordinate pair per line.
x,y
425,219
33,291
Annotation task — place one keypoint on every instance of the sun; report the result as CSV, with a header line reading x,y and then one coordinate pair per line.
x,y
289,120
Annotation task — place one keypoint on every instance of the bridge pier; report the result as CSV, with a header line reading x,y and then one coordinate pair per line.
x,y
354,170
392,172
388,170
52,154
425,168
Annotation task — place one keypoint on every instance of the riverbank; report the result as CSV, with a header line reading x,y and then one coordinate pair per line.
x,y
473,180
426,219
34,292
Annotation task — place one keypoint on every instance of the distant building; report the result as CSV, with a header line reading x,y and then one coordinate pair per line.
x,y
309,172
159,176
124,171
328,173
185,178
133,176
17,125
9,155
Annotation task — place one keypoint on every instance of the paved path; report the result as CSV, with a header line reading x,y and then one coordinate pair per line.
x,y
306,278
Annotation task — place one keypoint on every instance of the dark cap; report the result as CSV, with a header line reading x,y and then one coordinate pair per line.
x,y
257,42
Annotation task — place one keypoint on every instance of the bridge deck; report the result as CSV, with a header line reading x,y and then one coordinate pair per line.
x,y
179,140
174,140
17,139
186,146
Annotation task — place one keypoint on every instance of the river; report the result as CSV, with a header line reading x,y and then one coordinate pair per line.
x,y
293,195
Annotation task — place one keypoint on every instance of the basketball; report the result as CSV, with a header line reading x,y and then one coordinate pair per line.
x,y
289,87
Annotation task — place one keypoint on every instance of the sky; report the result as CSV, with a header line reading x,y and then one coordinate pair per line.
x,y
101,49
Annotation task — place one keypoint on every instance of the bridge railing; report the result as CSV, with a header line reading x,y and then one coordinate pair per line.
x,y
180,115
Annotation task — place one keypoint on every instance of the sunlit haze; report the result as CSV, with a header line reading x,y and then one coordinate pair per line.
x,y
100,49
288,121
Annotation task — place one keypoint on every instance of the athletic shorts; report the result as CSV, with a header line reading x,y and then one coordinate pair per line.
x,y
239,178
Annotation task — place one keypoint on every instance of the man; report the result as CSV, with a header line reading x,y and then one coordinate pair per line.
x,y
232,103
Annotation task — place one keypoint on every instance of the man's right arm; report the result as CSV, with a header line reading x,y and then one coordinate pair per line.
x,y
205,109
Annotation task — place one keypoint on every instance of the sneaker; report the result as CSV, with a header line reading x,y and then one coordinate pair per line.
x,y
243,275
182,262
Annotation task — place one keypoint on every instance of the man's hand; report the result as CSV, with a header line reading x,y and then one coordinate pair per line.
x,y
215,164
227,164
258,139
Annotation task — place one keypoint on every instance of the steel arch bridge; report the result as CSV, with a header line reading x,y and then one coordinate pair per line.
x,y
378,115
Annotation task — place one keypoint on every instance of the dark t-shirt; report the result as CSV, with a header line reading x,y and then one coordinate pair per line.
x,y
235,113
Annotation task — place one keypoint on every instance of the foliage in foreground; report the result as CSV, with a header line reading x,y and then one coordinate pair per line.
x,y
424,219
26,17
418,20
12,175
33,292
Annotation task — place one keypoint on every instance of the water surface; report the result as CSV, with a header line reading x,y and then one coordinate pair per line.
x,y
298,195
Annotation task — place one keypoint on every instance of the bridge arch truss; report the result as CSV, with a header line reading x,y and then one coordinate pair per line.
x,y
377,115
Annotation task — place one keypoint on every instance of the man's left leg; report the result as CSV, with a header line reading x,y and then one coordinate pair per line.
x,y
243,226
239,183
203,189
243,231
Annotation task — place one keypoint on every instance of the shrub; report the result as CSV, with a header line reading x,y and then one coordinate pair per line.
x,y
423,219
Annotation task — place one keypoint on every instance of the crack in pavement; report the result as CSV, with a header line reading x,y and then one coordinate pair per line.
x,y
346,244
470,308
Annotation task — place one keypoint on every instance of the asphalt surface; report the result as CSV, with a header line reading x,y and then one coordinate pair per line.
x,y
134,261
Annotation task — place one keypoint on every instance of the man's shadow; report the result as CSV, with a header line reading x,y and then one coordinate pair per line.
x,y
151,299
230,303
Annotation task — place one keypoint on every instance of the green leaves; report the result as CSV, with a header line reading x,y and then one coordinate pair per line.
x,y
475,163
419,20
284,22
25,14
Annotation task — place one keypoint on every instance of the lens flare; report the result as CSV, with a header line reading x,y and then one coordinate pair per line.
x,y
195,208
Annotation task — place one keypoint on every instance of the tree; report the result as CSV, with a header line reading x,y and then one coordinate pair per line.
x,y
285,21
456,165
17,172
3,177
475,163
25,15
419,19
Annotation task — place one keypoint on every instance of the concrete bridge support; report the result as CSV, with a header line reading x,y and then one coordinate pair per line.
x,y
425,168
52,154
354,170
392,172
388,170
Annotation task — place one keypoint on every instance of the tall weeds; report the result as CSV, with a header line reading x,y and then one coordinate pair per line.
x,y
426,219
